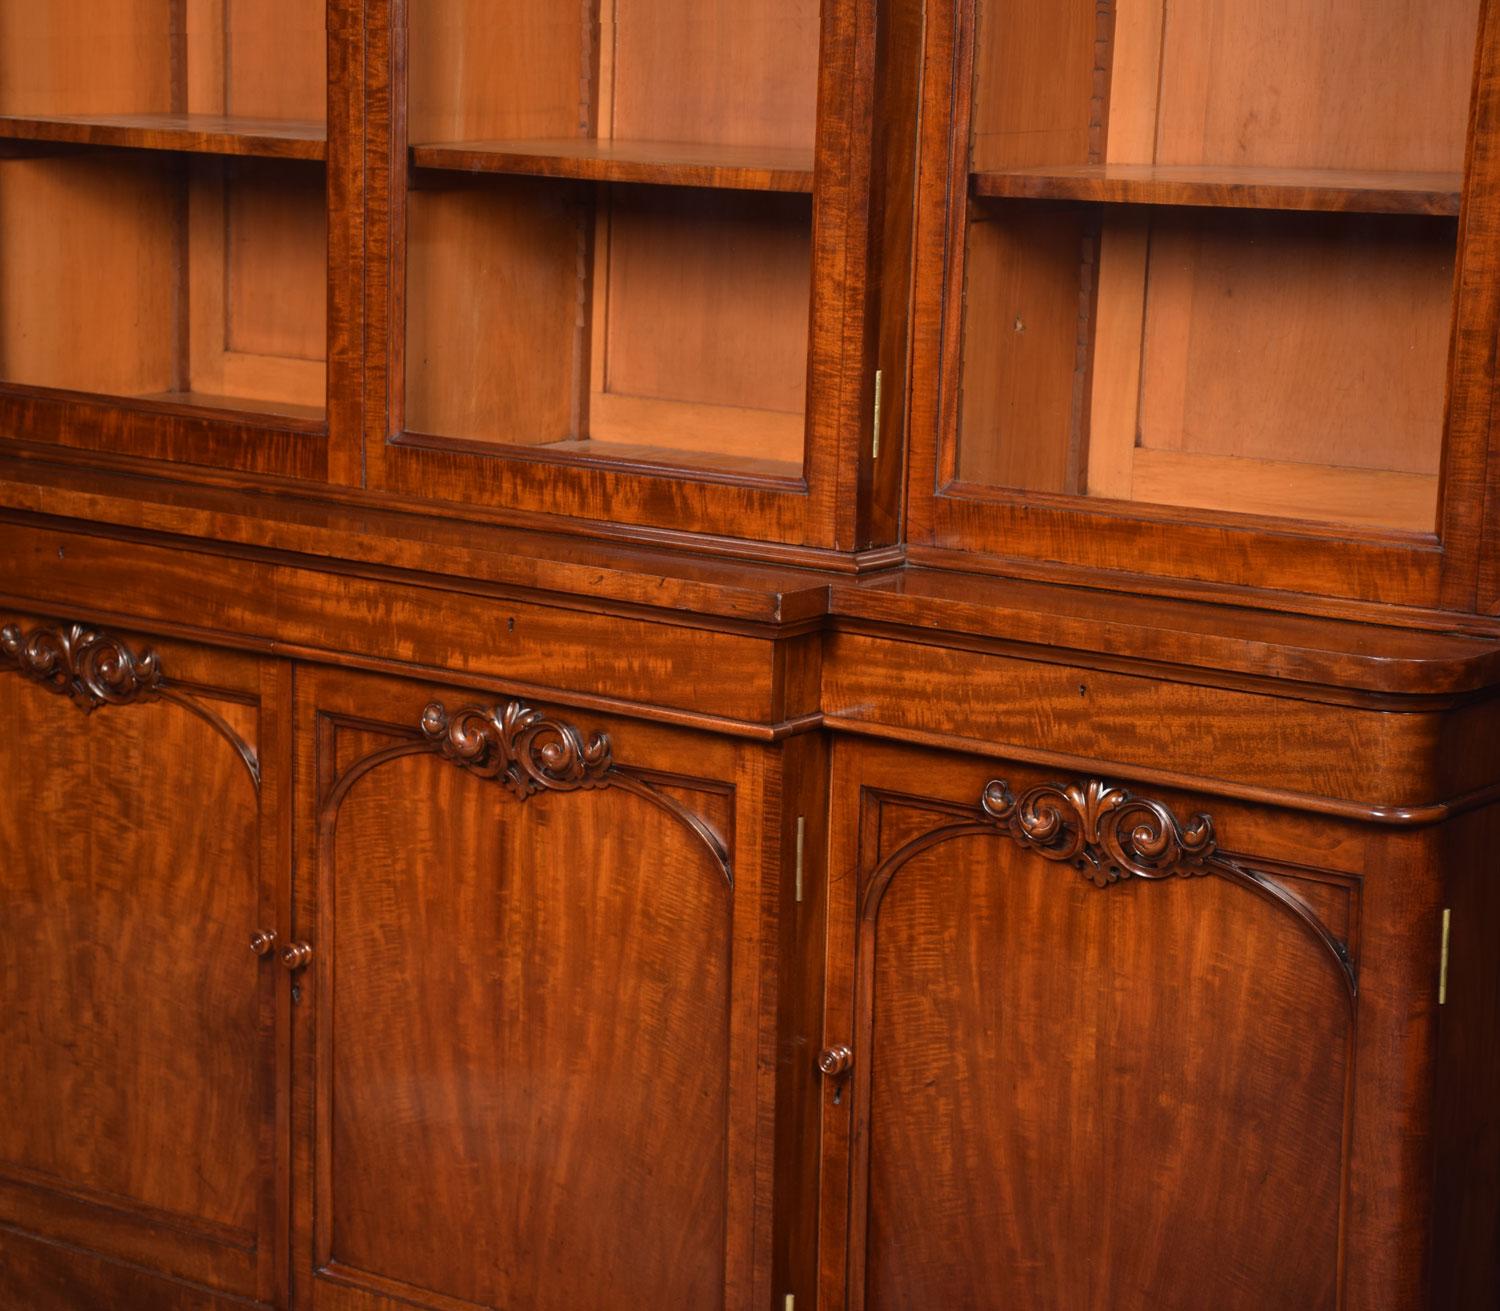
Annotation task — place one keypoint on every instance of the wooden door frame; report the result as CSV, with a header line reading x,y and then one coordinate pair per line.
x,y
247,442
1128,545
831,508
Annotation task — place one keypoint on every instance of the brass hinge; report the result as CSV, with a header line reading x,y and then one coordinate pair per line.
x,y
879,390
1443,960
801,849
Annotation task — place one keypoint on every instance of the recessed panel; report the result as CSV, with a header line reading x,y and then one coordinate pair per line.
x,y
1082,1097
132,1025
513,987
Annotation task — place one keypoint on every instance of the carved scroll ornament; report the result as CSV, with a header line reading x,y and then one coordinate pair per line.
x,y
1103,832
527,752
519,747
1110,836
91,667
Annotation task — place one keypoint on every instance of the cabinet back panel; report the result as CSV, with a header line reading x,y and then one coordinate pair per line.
x,y
1314,83
708,298
1275,364
1079,1094
647,70
254,58
131,1019
1035,98
529,1046
87,57
1324,341
731,72
498,68
278,263
275,56
495,312
1026,280
1288,83
89,273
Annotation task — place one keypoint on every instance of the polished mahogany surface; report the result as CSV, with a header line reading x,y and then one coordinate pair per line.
x,y
790,655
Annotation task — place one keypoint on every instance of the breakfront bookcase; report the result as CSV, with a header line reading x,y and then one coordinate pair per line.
x,y
749,656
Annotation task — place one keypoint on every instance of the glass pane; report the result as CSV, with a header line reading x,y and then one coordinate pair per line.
x,y
1210,253
610,228
197,230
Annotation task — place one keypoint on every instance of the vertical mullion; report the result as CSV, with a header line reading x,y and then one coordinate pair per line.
x,y
348,112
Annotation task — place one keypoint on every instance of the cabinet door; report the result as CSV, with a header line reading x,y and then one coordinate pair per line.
x,y
532,1009
139,1028
183,170
1203,287
633,269
1093,1064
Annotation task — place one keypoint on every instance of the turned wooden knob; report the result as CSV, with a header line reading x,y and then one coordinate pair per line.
x,y
835,1061
296,956
262,941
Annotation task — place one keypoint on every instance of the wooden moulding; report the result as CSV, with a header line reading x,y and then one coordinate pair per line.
x,y
1394,760
1201,636
1070,672
1354,762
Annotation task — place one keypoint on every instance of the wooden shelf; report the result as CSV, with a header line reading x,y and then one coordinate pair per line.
x,y
656,163
194,400
678,458
1319,493
1325,190
203,134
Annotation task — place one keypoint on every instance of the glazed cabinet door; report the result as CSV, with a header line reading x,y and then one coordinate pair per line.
x,y
178,256
1078,1058
532,1006
1204,289
633,260
142,1008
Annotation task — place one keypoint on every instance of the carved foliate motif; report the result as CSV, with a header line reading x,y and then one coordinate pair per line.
x,y
518,746
88,666
1103,832
1108,836
527,752
94,669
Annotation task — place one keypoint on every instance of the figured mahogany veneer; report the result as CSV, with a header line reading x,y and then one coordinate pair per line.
x,y
1094,842
133,998
826,655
